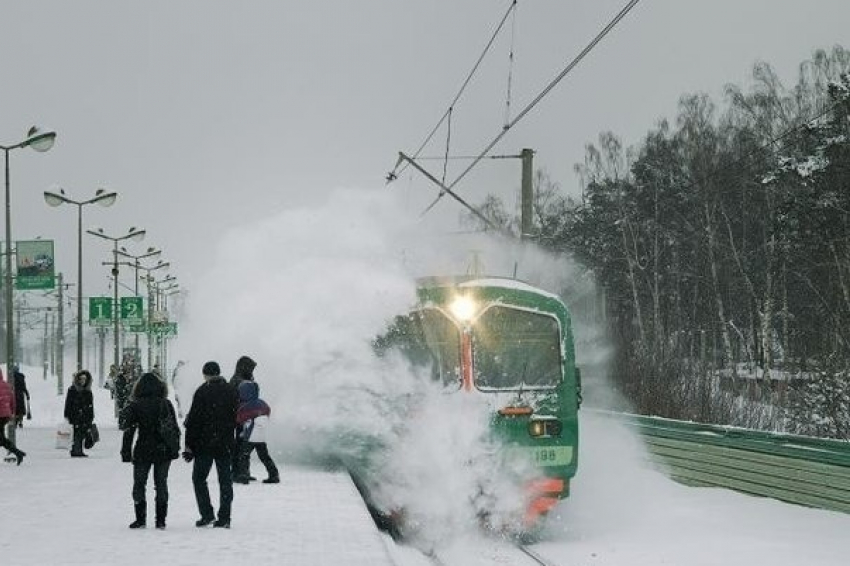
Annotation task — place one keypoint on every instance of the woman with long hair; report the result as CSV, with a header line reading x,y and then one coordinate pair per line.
x,y
150,414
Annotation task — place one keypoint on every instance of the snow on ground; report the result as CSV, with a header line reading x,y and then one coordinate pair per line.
x,y
62,511
68,511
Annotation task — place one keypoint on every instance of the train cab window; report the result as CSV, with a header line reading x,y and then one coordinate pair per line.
x,y
442,338
513,348
429,340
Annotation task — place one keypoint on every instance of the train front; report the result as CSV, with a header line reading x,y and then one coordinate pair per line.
x,y
512,343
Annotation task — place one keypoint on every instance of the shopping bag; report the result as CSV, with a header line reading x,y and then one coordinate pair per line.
x,y
63,436
92,436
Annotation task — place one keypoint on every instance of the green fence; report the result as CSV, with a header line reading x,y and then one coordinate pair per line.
x,y
798,469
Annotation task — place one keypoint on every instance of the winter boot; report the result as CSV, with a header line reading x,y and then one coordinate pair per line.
x,y
161,512
204,522
19,455
141,516
272,479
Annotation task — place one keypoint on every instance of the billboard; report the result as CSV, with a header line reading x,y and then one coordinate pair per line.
x,y
35,265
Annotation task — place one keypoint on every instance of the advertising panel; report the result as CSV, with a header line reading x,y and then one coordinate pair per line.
x,y
35,265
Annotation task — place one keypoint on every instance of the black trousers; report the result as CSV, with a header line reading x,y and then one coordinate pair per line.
x,y
77,440
5,442
200,473
242,472
141,471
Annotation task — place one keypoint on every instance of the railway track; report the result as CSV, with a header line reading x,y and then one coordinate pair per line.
x,y
497,554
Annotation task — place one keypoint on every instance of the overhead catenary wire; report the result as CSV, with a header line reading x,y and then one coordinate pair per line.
x,y
447,114
572,64
448,147
510,70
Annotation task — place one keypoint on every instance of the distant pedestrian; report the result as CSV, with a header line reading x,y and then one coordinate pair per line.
x,y
7,413
79,410
110,380
244,371
210,428
252,419
22,397
125,380
149,413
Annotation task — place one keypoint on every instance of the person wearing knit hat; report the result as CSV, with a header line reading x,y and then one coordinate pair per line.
x,y
210,427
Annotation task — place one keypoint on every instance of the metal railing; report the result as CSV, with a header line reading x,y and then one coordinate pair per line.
x,y
804,470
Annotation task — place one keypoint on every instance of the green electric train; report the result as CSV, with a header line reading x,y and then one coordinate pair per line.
x,y
512,342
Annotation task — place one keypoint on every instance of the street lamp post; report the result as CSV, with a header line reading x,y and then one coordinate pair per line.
x,y
148,278
41,142
137,265
102,198
158,297
172,289
136,235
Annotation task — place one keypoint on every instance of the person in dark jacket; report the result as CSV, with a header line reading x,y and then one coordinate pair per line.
x,y
79,410
244,371
210,427
147,414
7,412
22,397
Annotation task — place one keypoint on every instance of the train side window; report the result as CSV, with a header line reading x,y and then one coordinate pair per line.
x,y
428,340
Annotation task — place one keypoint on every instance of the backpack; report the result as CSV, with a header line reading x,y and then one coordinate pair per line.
x,y
169,430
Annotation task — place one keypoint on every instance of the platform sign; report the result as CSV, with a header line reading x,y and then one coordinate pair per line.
x,y
100,311
140,328
164,328
132,310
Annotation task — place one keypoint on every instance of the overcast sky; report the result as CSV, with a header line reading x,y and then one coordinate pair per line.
x,y
205,115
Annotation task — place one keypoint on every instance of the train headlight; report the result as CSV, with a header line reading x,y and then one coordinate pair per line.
x,y
545,427
536,428
463,308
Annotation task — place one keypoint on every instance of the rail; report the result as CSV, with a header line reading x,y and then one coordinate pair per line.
x,y
804,470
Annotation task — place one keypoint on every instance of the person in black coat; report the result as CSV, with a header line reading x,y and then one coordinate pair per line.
x,y
79,410
210,432
149,413
22,397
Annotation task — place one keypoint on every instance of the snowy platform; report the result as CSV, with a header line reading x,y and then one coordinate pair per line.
x,y
64,511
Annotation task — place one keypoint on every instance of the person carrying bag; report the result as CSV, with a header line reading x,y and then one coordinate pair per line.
x,y
79,411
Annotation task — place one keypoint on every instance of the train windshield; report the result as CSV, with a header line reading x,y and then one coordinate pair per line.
x,y
513,349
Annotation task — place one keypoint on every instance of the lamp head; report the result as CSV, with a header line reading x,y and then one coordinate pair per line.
x,y
136,235
39,140
54,199
104,198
